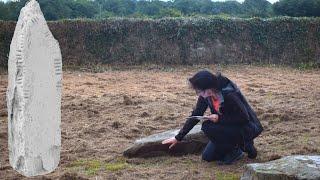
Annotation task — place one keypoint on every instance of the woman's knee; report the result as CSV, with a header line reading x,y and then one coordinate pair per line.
x,y
208,153
209,157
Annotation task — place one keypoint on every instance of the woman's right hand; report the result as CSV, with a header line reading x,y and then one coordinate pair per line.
x,y
173,141
213,117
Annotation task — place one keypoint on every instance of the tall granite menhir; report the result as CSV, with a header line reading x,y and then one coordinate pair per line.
x,y
34,95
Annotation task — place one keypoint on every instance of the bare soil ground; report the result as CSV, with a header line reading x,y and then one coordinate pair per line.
x,y
104,113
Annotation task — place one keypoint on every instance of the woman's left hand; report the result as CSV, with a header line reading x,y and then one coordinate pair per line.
x,y
213,117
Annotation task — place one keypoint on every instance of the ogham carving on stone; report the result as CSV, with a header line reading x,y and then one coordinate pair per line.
x,y
34,95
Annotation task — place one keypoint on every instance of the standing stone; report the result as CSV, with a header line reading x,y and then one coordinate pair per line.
x,y
34,95
287,168
152,146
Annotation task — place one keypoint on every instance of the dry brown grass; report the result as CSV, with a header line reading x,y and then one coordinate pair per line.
x,y
103,113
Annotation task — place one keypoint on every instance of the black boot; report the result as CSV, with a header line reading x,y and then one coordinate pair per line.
x,y
251,150
233,156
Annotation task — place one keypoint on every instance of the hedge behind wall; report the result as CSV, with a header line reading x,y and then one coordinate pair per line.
x,y
285,41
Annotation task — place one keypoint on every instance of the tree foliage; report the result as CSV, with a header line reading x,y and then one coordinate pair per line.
x,y
298,8
100,9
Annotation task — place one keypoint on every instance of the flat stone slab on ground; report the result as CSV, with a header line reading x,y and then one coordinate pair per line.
x,y
151,146
287,168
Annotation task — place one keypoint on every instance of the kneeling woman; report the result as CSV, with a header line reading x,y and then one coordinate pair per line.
x,y
232,125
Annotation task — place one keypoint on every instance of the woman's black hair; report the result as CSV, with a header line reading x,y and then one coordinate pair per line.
x,y
203,80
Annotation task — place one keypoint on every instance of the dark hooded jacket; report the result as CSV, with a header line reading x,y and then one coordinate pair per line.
x,y
235,111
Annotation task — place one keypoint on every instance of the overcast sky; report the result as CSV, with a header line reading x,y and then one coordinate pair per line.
x,y
272,1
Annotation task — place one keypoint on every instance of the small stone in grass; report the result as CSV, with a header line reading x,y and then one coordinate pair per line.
x,y
145,114
127,100
116,124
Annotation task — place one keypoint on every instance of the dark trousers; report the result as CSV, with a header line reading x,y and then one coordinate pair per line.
x,y
223,140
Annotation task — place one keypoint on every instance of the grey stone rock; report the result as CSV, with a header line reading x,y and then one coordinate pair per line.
x,y
151,146
34,95
286,168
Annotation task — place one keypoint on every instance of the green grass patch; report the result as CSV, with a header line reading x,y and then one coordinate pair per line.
x,y
116,166
226,176
90,167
